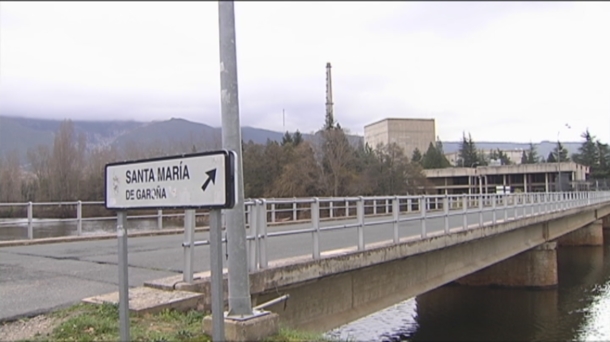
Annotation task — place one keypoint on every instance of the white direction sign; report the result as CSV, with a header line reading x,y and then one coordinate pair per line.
x,y
200,180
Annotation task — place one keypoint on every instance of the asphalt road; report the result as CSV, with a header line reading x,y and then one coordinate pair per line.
x,y
39,278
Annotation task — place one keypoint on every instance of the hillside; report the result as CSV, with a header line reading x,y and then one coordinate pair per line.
x,y
21,134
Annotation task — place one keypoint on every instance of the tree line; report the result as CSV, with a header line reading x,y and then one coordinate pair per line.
x,y
592,153
328,165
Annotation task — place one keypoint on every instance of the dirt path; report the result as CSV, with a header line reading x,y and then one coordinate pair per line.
x,y
28,328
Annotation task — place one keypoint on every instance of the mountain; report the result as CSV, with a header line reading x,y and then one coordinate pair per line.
x,y
21,134
19,137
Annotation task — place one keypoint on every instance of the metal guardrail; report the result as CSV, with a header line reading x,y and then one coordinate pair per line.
x,y
366,211
422,209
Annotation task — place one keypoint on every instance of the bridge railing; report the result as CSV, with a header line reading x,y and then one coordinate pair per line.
x,y
80,214
400,210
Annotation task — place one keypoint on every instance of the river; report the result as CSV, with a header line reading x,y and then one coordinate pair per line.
x,y
16,229
577,310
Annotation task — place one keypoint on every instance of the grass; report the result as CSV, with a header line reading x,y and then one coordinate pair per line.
x,y
289,335
90,322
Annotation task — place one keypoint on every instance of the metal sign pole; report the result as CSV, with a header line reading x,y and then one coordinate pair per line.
x,y
123,275
239,280
218,323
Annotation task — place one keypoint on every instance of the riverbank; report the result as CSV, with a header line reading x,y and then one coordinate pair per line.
x,y
88,322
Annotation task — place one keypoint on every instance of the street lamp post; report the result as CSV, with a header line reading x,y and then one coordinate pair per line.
x,y
558,164
478,176
559,182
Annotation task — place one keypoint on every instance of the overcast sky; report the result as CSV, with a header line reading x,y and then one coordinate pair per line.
x,y
501,71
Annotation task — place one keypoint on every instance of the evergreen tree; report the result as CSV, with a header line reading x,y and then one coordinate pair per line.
x,y
443,159
595,155
434,159
551,158
468,155
561,151
287,139
602,170
504,159
588,153
531,156
297,138
416,157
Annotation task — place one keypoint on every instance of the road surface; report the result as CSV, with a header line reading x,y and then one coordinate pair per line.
x,y
39,278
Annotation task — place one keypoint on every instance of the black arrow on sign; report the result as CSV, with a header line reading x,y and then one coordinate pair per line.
x,y
211,177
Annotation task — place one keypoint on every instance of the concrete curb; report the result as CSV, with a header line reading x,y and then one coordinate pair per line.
x,y
13,243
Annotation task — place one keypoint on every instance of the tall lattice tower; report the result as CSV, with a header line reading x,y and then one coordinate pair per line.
x,y
330,119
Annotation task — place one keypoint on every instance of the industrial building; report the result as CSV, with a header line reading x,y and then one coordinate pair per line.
x,y
539,177
406,133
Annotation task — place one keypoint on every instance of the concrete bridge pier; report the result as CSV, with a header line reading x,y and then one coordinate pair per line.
x,y
536,267
606,225
589,235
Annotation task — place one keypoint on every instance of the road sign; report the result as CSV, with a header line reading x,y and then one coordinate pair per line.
x,y
199,180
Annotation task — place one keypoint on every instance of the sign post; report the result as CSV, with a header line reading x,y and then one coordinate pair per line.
x,y
218,322
123,276
190,181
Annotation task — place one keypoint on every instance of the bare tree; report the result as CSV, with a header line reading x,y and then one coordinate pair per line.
x,y
40,160
66,163
94,173
10,178
337,156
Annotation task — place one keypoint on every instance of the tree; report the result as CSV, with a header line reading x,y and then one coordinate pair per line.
x,y
530,156
254,170
337,157
468,156
273,163
551,158
93,175
297,138
287,139
67,162
416,157
299,176
366,174
560,151
434,159
602,169
588,153
595,155
40,159
10,178
498,154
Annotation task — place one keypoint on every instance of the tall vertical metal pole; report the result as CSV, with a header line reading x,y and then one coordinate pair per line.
x,y
121,229
559,187
239,281
189,250
218,322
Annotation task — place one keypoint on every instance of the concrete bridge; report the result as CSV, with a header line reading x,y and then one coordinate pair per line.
x,y
342,258
510,241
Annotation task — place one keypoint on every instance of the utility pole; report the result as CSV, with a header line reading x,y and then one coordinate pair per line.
x,y
239,281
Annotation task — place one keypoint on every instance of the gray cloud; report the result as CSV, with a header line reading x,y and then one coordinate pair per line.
x,y
507,71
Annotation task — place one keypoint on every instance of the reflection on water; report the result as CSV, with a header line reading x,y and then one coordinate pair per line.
x,y
18,229
578,309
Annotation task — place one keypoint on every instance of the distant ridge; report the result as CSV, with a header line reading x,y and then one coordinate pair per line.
x,y
21,134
